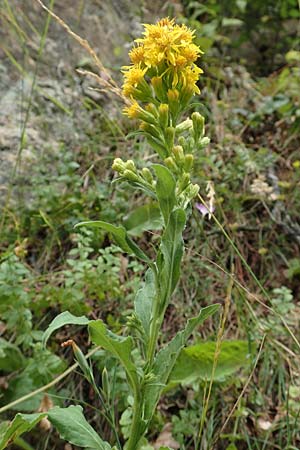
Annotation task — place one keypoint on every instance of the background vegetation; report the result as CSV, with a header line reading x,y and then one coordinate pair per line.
x,y
58,138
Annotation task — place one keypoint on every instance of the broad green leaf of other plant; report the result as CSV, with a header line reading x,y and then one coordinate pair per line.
x,y
143,218
196,362
11,357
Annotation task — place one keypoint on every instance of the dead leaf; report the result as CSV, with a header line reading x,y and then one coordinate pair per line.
x,y
165,438
45,405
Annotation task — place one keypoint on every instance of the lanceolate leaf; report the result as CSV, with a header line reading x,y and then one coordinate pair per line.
x,y
167,356
120,236
65,318
119,346
73,427
171,252
144,300
21,424
165,190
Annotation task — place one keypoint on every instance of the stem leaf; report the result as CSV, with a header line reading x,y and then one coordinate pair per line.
x,y
167,356
171,252
119,346
20,424
73,427
143,302
120,236
65,318
165,190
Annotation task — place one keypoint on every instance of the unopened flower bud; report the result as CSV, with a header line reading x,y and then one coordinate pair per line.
x,y
169,137
157,84
184,182
170,163
193,190
151,109
198,125
129,164
188,162
204,142
105,383
147,175
178,154
182,141
131,176
82,362
173,99
184,126
151,129
163,111
118,165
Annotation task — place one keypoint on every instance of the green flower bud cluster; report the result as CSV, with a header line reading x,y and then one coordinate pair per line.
x,y
128,171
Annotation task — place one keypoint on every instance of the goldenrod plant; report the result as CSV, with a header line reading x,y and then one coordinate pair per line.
x,y
158,85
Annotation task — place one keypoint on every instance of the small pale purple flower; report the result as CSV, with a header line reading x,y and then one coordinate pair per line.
x,y
204,210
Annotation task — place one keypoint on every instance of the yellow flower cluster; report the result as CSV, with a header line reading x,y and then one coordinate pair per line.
x,y
166,54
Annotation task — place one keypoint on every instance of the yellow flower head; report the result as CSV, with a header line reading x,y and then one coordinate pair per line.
x,y
133,110
166,51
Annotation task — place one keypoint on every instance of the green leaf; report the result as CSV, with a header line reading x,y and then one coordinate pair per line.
x,y
167,356
20,424
119,346
196,362
165,190
11,358
144,300
73,427
144,218
171,250
70,423
61,320
120,236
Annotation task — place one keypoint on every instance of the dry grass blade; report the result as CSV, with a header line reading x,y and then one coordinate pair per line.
x,y
241,394
104,78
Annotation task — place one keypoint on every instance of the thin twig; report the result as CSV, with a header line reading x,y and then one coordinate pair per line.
x,y
46,386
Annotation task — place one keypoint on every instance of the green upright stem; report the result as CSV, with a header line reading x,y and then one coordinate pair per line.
x,y
135,424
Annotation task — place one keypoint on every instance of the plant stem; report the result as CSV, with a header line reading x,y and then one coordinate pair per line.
x,y
135,424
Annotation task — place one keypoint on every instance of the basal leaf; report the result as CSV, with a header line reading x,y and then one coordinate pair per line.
x,y
167,356
144,300
196,362
65,318
73,427
120,236
165,190
20,424
119,346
